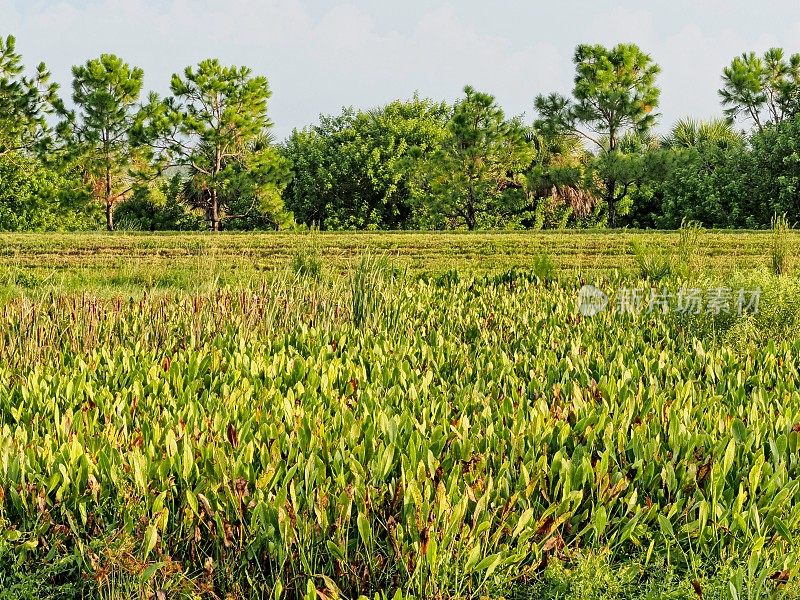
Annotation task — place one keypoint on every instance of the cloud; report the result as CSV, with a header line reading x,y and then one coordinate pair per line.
x,y
364,65
320,55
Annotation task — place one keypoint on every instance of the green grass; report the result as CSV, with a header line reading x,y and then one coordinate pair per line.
x,y
128,262
393,416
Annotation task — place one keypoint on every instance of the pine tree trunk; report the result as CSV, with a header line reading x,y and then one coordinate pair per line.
x,y
611,184
611,201
109,202
472,220
214,211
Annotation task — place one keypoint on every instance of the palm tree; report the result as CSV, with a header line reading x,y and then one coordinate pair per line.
x,y
557,171
690,133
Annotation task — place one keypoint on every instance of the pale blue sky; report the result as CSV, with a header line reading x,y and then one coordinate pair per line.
x,y
321,55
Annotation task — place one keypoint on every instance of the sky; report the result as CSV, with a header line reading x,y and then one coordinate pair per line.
x,y
322,55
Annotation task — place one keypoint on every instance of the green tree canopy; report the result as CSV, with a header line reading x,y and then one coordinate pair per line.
x,y
39,197
691,133
762,89
556,181
772,182
728,183
215,129
615,94
25,102
106,93
476,177
681,179
159,206
356,170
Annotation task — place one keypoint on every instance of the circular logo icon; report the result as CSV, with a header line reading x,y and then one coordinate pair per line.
x,y
591,301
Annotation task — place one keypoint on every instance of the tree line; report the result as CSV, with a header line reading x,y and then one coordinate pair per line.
x,y
204,157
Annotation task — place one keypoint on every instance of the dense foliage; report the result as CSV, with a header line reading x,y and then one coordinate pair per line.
x,y
98,132
38,197
475,176
615,96
206,152
359,170
215,129
444,436
25,102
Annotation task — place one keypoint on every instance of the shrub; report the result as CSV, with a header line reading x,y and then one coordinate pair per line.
x,y
654,263
307,264
780,244
543,267
691,233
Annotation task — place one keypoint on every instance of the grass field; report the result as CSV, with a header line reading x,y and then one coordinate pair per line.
x,y
395,416
115,262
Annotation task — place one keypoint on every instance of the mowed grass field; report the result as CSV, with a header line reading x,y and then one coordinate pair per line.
x,y
132,261
394,417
